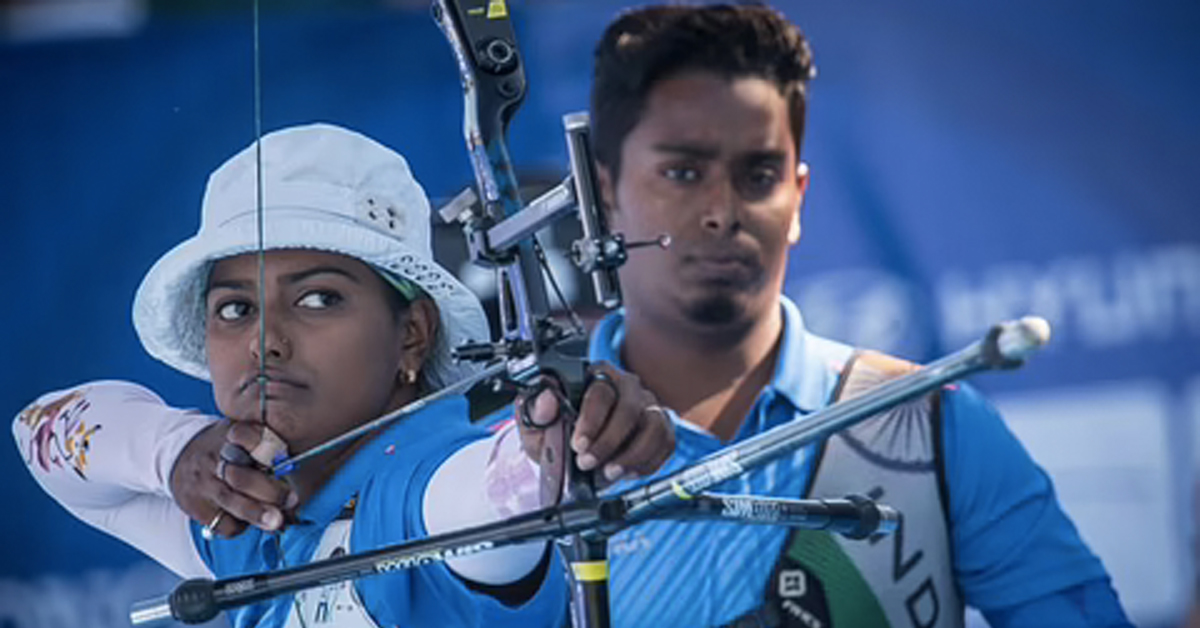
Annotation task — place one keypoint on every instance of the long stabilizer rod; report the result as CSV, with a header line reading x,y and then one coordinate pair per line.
x,y
1006,346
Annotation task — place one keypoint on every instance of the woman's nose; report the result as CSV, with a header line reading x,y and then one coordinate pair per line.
x,y
272,343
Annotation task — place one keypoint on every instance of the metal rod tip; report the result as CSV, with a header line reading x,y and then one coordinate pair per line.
x,y
1022,337
1036,328
155,611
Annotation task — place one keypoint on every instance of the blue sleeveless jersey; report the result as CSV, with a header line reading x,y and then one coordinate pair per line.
x,y
388,476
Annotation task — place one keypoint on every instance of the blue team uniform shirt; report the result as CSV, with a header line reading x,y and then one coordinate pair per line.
x,y
387,476
1016,555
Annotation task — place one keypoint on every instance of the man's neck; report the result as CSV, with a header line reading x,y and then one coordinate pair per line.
x,y
711,380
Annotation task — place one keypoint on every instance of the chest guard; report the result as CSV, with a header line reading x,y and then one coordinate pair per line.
x,y
902,580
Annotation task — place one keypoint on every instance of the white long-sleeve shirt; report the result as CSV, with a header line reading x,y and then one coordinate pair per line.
x,y
105,451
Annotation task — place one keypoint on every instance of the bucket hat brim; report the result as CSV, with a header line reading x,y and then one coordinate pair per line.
x,y
169,308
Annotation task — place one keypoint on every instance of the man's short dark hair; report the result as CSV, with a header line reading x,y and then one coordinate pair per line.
x,y
648,45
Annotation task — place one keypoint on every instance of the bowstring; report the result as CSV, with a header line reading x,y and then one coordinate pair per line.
x,y
260,219
577,328
261,229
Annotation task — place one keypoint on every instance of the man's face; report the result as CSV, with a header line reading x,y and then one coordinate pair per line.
x,y
712,163
334,345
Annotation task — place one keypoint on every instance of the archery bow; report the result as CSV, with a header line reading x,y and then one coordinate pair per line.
x,y
500,235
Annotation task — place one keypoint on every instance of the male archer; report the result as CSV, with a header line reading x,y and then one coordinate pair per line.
x,y
699,116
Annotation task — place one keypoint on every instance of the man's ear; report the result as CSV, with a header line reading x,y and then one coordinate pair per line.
x,y
421,323
802,185
608,189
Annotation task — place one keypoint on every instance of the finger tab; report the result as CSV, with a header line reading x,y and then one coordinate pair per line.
x,y
270,448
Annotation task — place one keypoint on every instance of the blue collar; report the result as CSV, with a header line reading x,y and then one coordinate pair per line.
x,y
799,370
801,374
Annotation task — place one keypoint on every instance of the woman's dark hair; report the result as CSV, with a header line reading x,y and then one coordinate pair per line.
x,y
648,45
400,292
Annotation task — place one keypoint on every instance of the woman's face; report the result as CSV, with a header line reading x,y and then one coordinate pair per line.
x,y
337,353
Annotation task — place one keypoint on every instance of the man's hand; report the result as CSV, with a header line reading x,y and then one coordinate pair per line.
x,y
204,486
621,431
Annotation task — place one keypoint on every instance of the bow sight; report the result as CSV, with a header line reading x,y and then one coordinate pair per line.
x,y
499,231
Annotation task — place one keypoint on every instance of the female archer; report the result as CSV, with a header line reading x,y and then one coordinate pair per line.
x,y
331,315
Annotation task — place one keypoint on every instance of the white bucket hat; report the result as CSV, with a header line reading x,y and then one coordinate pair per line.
x,y
324,188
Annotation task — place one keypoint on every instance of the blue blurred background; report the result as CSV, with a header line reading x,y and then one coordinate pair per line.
x,y
970,162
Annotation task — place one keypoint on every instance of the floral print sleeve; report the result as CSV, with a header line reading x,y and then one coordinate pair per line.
x,y
104,451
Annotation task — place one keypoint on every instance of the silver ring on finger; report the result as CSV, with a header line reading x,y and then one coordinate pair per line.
x,y
601,376
654,407
221,464
209,531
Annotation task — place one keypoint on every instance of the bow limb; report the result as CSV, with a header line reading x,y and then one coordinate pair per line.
x,y
493,79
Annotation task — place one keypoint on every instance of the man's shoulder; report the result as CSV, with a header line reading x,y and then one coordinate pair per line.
x,y
965,402
836,356
811,369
